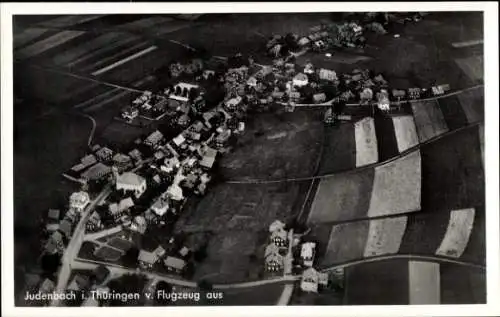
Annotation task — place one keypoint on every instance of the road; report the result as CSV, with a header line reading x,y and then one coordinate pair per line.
x,y
74,244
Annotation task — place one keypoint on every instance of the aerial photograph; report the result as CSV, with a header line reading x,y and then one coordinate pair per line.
x,y
239,159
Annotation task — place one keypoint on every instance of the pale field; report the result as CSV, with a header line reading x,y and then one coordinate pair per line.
x,y
458,233
424,283
397,186
366,142
429,120
385,236
406,132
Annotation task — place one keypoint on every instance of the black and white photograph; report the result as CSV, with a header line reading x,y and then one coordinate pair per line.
x,y
250,158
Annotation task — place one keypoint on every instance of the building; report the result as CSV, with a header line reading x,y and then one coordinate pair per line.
x,y
311,279
222,138
326,74
94,223
274,261
276,225
414,93
233,103
252,81
170,164
88,160
319,45
383,100
96,172
104,154
300,80
179,140
307,253
160,251
329,116
174,264
319,98
174,192
139,224
79,200
182,91
117,210
279,237
208,159
154,139
294,96
184,251
303,41
207,74
147,259
135,154
122,161
78,283
130,113
47,286
130,182
366,94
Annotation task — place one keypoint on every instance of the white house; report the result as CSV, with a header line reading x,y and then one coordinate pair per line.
x,y
161,205
383,100
311,279
139,224
274,261
131,182
300,80
327,74
79,200
307,252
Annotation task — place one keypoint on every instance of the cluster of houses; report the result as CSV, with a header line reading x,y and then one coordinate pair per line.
x,y
61,230
279,257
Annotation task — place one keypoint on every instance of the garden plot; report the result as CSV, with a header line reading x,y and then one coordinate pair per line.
x,y
346,243
385,236
396,186
406,132
429,120
457,235
366,142
472,102
342,197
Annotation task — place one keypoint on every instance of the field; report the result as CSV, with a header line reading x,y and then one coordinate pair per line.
x,y
428,119
405,131
276,146
366,142
385,236
119,243
396,186
368,284
341,197
472,103
339,149
469,288
338,251
238,217
424,283
458,233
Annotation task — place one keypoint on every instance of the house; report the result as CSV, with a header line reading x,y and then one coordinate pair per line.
x,y
294,96
207,74
78,283
159,155
276,225
135,154
307,253
78,167
94,222
174,192
117,209
440,89
277,95
208,158
52,226
309,68
139,224
366,94
329,116
233,103
96,172
170,164
121,161
414,93
300,80
47,286
319,45
318,98
252,81
104,154
130,113
184,251
383,100
147,259
274,261
183,120
79,200
310,280
326,74
150,217
398,94
154,139
174,264
222,138
65,227
130,181
179,140
54,243
88,160
160,251
303,41
182,91
279,237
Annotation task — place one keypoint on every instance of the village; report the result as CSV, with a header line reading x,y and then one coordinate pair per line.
x,y
150,181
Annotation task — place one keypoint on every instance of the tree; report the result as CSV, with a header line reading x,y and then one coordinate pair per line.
x,y
50,263
290,40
